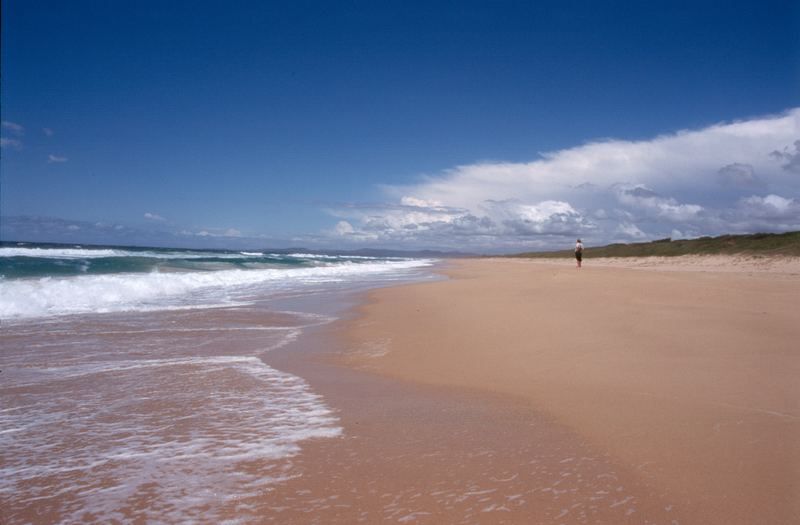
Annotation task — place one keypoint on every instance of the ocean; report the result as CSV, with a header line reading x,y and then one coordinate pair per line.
x,y
133,387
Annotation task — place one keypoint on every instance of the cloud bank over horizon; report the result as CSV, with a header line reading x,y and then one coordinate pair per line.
x,y
738,177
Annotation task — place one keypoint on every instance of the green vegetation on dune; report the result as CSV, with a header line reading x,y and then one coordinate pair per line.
x,y
786,244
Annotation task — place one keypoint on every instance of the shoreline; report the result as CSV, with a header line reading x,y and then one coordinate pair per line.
x,y
690,402
422,453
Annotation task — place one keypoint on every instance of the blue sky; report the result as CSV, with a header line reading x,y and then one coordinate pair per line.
x,y
459,125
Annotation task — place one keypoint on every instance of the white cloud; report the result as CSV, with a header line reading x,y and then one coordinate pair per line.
x,y
419,203
56,159
48,132
212,232
153,217
446,226
343,228
653,205
739,175
630,232
10,143
691,181
773,206
792,159
763,213
514,217
13,127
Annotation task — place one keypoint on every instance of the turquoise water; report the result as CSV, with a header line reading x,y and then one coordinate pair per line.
x,y
42,280
19,260
135,385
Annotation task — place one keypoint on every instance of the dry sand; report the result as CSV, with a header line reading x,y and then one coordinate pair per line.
x,y
685,381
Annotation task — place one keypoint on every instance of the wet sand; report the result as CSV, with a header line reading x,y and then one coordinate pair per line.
x,y
682,383
164,417
416,453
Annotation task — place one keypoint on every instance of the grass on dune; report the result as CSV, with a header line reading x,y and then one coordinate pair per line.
x,y
786,244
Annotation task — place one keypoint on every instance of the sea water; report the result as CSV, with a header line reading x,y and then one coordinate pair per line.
x,y
132,385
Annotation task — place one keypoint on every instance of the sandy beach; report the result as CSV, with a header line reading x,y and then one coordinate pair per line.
x,y
681,380
635,391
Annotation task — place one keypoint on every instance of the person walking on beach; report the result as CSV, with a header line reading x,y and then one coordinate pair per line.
x,y
578,252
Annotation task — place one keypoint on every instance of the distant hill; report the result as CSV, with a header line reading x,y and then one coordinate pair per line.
x,y
787,244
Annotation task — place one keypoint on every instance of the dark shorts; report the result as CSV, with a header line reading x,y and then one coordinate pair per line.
x,y
578,255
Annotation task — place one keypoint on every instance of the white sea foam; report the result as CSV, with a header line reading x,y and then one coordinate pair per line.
x,y
95,253
25,298
339,257
223,428
168,417
58,253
